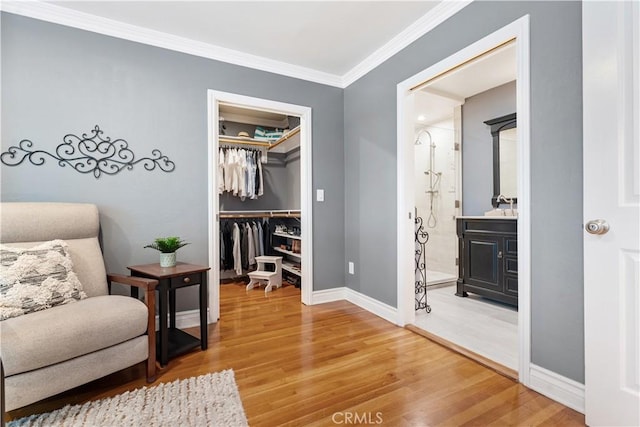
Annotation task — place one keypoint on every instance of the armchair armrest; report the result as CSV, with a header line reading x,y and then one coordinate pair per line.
x,y
138,282
149,285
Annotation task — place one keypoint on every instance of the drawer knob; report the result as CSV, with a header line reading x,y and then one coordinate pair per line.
x,y
186,280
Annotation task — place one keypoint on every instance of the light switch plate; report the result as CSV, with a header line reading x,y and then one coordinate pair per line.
x,y
320,195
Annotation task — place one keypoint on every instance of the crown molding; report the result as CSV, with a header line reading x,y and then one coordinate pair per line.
x,y
440,13
84,21
71,18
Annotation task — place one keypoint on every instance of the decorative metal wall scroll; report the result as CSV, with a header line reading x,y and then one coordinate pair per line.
x,y
88,154
421,239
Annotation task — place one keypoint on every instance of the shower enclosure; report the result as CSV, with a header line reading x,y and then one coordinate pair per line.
x,y
437,197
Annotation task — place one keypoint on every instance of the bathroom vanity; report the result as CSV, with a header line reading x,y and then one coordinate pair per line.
x,y
488,257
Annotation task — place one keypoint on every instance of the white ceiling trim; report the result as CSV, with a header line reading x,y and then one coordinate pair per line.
x,y
440,13
97,24
84,21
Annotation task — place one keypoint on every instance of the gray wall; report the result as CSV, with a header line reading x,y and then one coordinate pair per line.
x,y
556,167
58,80
477,145
293,179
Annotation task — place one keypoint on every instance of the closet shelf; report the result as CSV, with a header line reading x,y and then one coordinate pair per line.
x,y
243,140
288,236
285,137
291,268
275,248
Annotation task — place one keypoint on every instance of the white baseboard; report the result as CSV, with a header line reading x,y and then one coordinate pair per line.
x,y
561,389
184,319
374,306
371,305
328,295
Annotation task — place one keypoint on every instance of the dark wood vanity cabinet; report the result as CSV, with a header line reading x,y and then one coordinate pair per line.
x,y
488,258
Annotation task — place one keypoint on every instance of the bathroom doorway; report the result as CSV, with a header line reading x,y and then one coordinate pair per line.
x,y
438,201
438,192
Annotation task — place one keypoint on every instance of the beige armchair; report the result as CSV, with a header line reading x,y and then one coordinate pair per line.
x,y
49,351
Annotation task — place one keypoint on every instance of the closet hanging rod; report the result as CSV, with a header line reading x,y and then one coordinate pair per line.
x,y
288,135
242,141
259,214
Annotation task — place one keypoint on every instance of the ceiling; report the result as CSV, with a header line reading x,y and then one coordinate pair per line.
x,y
490,70
326,36
331,42
436,100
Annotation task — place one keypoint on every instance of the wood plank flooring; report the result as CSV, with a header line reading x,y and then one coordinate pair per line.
x,y
336,364
485,327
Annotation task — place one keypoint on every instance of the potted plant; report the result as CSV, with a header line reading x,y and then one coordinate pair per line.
x,y
167,247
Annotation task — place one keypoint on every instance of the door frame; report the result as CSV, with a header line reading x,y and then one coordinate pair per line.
x,y
214,99
518,30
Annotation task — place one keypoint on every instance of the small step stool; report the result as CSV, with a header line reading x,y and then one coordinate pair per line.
x,y
271,278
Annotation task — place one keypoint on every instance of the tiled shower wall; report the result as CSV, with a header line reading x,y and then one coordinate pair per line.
x,y
442,247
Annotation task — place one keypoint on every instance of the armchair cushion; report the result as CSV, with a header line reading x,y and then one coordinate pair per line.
x,y
37,278
61,333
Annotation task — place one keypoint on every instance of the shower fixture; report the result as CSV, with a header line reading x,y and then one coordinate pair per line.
x,y
434,177
418,141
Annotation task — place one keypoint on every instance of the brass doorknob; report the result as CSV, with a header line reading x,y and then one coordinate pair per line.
x,y
597,226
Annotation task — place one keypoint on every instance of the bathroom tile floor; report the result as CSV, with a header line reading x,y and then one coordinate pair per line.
x,y
485,327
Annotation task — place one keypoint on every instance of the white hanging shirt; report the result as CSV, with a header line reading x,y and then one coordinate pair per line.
x,y
242,173
221,171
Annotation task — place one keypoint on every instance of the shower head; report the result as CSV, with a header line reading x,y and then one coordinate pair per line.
x,y
418,141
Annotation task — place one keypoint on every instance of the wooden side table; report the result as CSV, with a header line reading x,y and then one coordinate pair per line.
x,y
172,341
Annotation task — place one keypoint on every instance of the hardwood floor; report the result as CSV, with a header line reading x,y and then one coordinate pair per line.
x,y
333,364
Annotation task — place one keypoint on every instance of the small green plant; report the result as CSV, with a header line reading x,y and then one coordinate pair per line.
x,y
167,245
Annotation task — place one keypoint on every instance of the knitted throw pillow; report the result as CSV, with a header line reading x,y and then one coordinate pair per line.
x,y
37,278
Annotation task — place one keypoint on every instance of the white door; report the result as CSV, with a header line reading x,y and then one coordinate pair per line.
x,y
611,194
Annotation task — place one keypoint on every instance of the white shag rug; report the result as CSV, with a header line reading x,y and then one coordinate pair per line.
x,y
207,400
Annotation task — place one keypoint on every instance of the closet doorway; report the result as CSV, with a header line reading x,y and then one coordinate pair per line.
x,y
450,93
274,140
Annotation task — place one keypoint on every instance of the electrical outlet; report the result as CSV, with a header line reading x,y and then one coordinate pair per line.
x,y
351,268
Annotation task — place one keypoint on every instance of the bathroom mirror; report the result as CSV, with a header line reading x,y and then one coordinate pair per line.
x,y
505,158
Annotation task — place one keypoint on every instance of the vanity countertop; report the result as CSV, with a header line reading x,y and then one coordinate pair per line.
x,y
485,217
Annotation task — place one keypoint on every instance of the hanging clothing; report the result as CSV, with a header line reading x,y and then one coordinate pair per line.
x,y
256,239
251,246
228,245
259,179
222,248
230,178
260,239
240,172
221,163
266,236
237,257
244,247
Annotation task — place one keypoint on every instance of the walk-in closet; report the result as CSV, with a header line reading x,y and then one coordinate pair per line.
x,y
258,176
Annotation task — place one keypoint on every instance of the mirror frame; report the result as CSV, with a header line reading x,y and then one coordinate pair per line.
x,y
499,124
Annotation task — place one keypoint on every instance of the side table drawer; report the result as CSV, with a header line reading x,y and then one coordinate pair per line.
x,y
187,280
